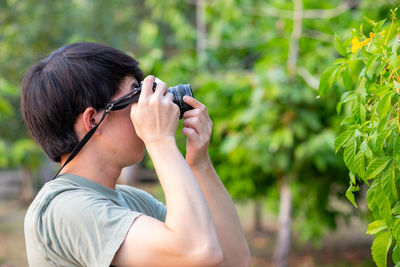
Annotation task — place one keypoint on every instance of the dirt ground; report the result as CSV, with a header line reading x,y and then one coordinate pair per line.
x,y
12,243
347,246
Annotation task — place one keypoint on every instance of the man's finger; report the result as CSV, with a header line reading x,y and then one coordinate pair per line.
x,y
193,102
189,132
161,87
193,122
169,96
147,86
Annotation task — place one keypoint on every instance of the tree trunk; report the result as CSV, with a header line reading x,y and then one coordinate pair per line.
x,y
201,32
283,242
294,38
257,222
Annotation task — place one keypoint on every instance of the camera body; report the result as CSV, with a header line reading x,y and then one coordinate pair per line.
x,y
179,91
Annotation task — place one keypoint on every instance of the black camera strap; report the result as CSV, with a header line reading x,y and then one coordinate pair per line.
x,y
120,103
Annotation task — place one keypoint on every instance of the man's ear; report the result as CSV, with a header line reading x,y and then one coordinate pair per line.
x,y
90,118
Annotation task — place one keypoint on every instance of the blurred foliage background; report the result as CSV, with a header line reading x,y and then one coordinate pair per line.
x,y
254,63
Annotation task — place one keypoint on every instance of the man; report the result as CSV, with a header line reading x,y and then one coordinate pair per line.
x,y
82,218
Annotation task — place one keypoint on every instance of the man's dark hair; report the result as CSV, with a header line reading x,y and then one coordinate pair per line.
x,y
60,87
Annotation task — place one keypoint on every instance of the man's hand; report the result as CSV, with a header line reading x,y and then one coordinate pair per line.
x,y
155,116
197,126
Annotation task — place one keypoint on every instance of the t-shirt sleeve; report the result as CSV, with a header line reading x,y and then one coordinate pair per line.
x,y
85,228
146,202
159,208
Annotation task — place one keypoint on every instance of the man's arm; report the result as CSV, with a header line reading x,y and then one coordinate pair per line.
x,y
230,233
197,126
188,236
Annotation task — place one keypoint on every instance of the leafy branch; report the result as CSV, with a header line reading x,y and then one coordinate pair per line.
x,y
370,136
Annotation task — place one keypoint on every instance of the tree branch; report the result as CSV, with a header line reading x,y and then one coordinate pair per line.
x,y
318,35
236,44
308,77
326,13
269,11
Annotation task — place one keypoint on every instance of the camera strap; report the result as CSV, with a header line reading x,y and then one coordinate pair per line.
x,y
120,103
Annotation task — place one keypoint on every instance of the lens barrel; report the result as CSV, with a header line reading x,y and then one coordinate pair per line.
x,y
179,92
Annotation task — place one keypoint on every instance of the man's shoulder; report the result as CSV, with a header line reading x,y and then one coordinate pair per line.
x,y
65,211
55,189
48,192
143,201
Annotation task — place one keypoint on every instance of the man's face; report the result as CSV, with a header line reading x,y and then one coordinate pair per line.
x,y
121,141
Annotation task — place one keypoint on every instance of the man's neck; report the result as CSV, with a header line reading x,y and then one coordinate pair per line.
x,y
104,173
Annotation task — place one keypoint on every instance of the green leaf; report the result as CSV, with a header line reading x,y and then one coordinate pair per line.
x,y
378,26
380,248
339,107
389,185
355,66
350,195
385,210
347,79
371,67
371,199
342,138
352,178
376,227
339,61
394,61
384,105
339,46
359,163
396,230
349,155
363,113
376,166
348,120
396,209
380,68
366,149
356,112
327,80
396,254
383,123
382,136
396,147
383,90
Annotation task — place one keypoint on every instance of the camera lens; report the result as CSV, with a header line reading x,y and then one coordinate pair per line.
x,y
179,92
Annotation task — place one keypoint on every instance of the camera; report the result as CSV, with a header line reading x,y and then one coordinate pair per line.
x,y
178,92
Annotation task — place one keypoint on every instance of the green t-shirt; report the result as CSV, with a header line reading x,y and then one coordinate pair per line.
x,y
76,222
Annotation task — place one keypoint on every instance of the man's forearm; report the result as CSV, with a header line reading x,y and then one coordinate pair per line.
x,y
230,233
187,209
